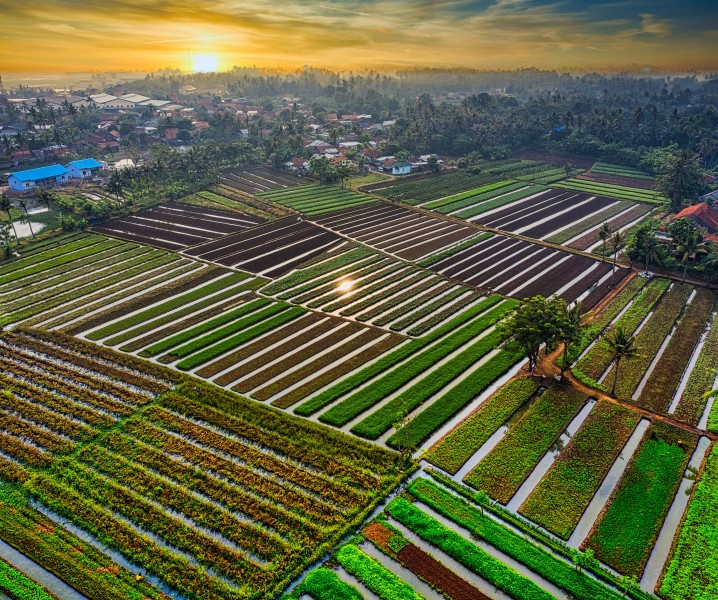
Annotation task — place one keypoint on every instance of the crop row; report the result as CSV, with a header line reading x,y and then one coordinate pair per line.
x,y
83,306
251,327
692,573
18,586
316,271
590,221
70,289
335,299
560,498
649,340
702,377
457,198
448,405
464,441
561,573
437,311
386,362
506,467
185,317
126,325
623,536
379,301
500,201
157,294
611,169
357,403
591,238
382,419
420,297
70,558
324,584
511,186
225,491
424,190
441,255
600,356
668,371
614,191
373,575
354,462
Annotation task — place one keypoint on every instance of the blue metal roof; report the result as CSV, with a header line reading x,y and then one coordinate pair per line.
x,y
86,163
40,173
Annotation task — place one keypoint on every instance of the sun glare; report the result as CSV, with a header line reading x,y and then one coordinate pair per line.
x,y
345,285
205,63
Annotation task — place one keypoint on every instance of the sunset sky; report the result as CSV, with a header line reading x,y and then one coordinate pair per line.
x,y
51,36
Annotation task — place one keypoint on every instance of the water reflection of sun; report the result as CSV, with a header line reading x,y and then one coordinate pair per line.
x,y
345,285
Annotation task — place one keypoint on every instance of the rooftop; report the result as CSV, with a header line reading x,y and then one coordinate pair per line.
x,y
40,173
86,163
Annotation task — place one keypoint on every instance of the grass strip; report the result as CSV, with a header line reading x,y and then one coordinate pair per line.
x,y
561,497
500,201
505,468
471,556
386,362
561,573
464,441
374,576
624,535
19,586
357,403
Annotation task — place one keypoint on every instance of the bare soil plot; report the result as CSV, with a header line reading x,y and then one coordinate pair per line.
x,y
271,249
394,229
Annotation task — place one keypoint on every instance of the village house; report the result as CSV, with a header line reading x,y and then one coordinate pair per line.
x,y
22,181
83,169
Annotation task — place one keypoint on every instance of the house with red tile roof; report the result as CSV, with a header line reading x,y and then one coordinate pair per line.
x,y
703,215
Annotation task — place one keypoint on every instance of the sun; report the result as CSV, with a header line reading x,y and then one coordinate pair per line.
x,y
205,63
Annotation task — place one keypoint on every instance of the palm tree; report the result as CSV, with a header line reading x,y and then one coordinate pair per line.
x,y
6,205
650,248
618,243
23,204
604,233
622,346
690,246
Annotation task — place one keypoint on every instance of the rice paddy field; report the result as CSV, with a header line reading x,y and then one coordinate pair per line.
x,y
276,389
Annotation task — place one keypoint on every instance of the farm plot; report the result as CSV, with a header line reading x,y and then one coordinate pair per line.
x,y
423,190
253,181
691,570
588,237
623,536
407,234
272,249
550,212
317,199
520,269
175,226
613,190
83,274
462,350
459,529
210,494
507,466
362,285
620,175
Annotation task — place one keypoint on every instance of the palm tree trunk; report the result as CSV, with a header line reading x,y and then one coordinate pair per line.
x,y
615,378
9,218
29,224
685,268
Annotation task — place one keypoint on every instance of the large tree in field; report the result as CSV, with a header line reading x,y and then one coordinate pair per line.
x,y
540,321
622,346
688,242
678,174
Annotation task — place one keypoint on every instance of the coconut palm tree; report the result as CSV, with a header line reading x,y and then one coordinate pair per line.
x,y
6,205
23,204
622,346
691,245
618,243
650,249
604,233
